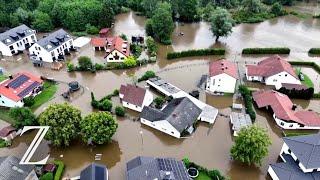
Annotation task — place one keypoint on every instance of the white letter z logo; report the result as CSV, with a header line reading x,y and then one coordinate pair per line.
x,y
34,145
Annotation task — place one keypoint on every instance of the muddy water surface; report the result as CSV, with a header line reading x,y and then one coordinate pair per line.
x,y
209,146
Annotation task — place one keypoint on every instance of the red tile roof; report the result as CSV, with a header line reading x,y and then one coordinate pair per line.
x,y
270,66
13,93
133,94
104,31
117,43
4,132
223,66
98,42
282,108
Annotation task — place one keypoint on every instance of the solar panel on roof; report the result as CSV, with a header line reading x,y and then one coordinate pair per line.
x,y
18,81
28,89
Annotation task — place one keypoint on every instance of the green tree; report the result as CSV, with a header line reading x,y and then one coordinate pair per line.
x,y
47,176
152,46
22,116
24,16
159,101
42,22
221,23
251,145
149,7
120,111
85,63
187,10
130,61
161,23
63,120
92,29
277,9
253,6
105,105
98,127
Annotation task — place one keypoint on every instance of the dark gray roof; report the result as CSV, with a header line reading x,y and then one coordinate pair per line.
x,y
94,172
15,34
306,148
54,40
10,169
181,113
146,168
289,170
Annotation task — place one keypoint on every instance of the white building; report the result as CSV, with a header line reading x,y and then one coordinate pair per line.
x,y
175,119
16,40
18,87
134,97
223,76
284,111
300,156
117,49
272,71
52,48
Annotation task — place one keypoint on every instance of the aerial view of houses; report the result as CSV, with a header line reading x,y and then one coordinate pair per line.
x,y
159,90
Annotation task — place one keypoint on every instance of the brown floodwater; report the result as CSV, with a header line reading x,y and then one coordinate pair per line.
x,y
209,145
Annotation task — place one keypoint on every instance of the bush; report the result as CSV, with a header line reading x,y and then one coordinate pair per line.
x,y
92,29
120,111
47,176
314,65
98,66
22,116
243,16
198,52
136,50
28,101
3,143
130,62
314,51
79,34
124,37
246,94
106,105
147,75
277,9
316,95
115,92
85,63
70,67
159,101
151,46
277,50
60,169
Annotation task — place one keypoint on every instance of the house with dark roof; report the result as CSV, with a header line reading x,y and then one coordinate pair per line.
x,y
273,71
10,169
17,87
52,48
175,119
135,97
16,40
117,50
284,111
94,171
223,76
150,168
300,156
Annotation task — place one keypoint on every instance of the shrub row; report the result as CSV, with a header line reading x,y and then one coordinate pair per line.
x,y
105,103
277,50
196,52
213,174
314,65
316,95
299,94
147,75
60,169
314,51
246,94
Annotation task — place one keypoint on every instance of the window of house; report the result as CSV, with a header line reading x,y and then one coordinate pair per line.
x,y
52,53
289,151
127,103
122,58
172,132
2,102
110,58
11,47
280,75
281,123
275,80
164,129
20,43
291,125
286,75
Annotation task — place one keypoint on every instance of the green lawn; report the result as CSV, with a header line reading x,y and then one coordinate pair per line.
x,y
289,134
307,81
203,176
4,115
3,77
47,93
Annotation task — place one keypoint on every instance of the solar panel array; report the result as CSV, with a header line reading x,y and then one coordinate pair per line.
x,y
28,89
177,167
18,81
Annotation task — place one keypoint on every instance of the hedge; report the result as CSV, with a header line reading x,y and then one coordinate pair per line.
x,y
246,94
196,52
277,50
60,169
314,65
316,95
314,51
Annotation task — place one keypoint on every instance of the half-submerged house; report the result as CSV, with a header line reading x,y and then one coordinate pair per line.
x,y
274,71
284,111
175,119
300,156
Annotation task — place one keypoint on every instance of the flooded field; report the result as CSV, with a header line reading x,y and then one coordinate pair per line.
x,y
209,146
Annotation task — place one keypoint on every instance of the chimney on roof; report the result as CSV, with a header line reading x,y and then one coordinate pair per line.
x,y
294,107
10,77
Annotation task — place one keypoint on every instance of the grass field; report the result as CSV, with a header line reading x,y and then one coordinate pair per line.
x,y
202,176
47,93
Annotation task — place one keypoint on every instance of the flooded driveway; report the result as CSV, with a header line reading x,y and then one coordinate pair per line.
x,y
209,146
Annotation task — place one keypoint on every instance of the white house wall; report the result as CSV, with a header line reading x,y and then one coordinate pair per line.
x,y
132,106
221,83
4,50
292,125
122,57
148,98
18,45
283,77
163,126
6,102
272,174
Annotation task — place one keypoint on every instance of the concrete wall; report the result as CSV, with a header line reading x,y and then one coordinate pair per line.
x,y
221,83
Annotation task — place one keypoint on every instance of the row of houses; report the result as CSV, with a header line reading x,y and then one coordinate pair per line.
x,y
50,48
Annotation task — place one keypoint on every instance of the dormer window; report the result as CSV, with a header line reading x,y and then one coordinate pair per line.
x,y
8,40
49,46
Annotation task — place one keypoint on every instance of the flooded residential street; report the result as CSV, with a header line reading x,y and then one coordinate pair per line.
x,y
210,145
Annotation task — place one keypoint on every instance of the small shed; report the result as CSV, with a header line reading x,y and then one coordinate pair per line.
x,y
8,133
238,121
208,114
